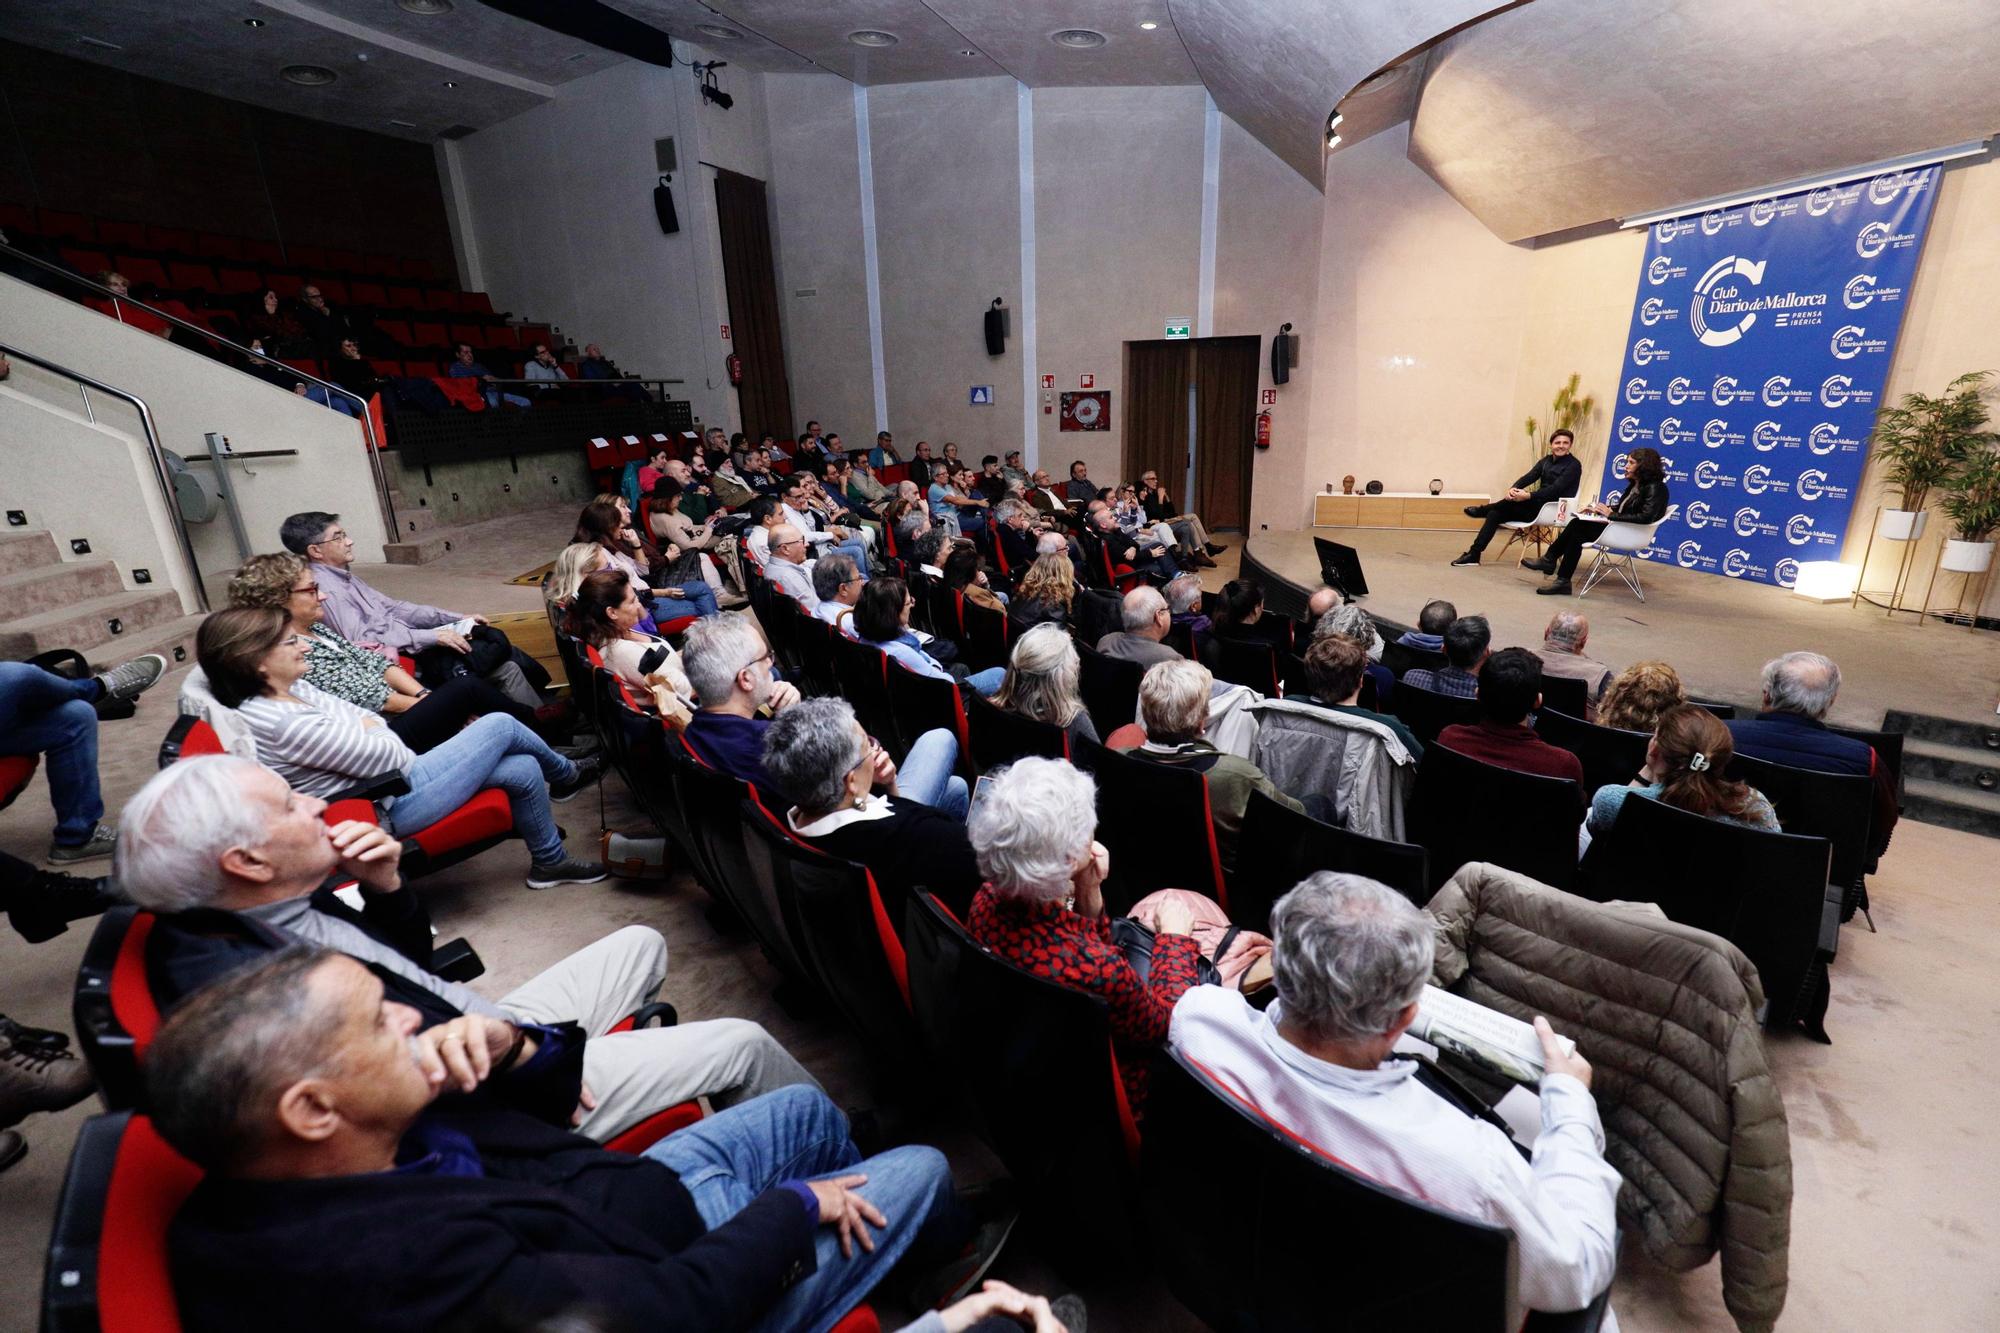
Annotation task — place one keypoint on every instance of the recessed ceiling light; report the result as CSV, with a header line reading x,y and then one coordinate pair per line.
x,y
873,37
253,23
312,76
968,52
428,8
1333,141
1077,39
450,84
1148,26
580,55
719,31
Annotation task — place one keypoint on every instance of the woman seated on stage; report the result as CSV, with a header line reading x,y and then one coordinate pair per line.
x,y
1644,502
1685,763
423,718
322,745
1041,682
606,615
911,833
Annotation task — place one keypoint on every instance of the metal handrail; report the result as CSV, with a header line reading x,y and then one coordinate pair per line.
x,y
367,423
154,448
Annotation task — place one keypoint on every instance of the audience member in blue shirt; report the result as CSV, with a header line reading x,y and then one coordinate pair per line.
x,y
730,666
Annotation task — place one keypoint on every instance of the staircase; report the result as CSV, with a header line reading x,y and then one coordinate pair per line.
x,y
47,602
1951,771
418,539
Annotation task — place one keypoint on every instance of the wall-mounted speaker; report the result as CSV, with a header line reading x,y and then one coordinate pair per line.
x,y
663,207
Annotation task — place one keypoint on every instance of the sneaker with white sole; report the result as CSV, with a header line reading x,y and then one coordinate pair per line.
x,y
131,679
569,870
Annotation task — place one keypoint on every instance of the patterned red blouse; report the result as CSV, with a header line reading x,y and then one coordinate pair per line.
x,y
1062,945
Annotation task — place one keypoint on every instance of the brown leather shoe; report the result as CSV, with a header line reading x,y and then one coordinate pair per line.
x,y
38,1075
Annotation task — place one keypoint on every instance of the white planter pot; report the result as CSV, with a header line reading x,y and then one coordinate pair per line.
x,y
1967,557
1902,525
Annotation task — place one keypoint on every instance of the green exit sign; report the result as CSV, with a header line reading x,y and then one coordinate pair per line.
x,y
1180,328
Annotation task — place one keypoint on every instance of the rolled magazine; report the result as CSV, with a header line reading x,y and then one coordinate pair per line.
x,y
1485,1036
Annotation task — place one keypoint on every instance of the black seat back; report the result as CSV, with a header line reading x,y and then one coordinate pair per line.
x,y
743,876
1464,810
1402,659
1155,821
1000,736
576,670
1888,748
1834,806
1565,694
925,703
781,616
815,649
1110,689
1034,1057
1610,757
1305,1243
1278,847
1252,662
1763,892
863,674
1426,712
986,633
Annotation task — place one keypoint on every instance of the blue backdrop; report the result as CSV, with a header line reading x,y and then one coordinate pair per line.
x,y
1760,338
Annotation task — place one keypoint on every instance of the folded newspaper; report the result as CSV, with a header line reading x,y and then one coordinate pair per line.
x,y
1487,1036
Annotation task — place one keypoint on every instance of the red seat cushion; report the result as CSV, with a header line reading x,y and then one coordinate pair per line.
x,y
484,816
201,739
16,770
132,1002
149,1182
654,1128
861,1319
340,812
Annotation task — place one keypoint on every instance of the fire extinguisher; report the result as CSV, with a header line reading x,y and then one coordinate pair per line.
x,y
1263,430
734,364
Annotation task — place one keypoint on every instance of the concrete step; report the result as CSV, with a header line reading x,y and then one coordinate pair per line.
x,y
87,626
1963,808
420,550
415,523
1952,765
46,587
174,641
1946,730
27,548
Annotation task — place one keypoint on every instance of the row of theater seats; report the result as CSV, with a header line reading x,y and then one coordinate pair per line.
x,y
77,228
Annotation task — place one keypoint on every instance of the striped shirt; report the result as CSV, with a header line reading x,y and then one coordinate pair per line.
x,y
320,744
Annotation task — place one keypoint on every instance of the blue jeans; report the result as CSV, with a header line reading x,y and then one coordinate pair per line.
x,y
854,549
494,398
987,682
925,774
43,712
700,601
795,1133
495,751
339,402
971,520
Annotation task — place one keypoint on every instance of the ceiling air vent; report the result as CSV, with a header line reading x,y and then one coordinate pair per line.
x,y
719,31
1077,39
873,37
311,76
428,8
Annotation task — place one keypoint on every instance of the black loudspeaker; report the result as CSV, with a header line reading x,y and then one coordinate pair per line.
x,y
663,208
996,329
1284,354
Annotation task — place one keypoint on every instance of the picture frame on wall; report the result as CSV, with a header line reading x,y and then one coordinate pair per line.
x,y
1086,411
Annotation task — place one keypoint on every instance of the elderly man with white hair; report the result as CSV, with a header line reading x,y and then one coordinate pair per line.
x,y
1799,690
1174,711
1146,618
1351,959
236,864
1562,655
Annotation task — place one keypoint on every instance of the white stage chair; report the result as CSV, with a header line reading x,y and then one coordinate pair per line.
x,y
1618,547
1536,529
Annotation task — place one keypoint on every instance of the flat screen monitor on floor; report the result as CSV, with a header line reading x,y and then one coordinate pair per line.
x,y
1340,567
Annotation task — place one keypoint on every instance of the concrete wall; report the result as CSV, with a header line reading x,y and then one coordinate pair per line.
x,y
190,395
491,487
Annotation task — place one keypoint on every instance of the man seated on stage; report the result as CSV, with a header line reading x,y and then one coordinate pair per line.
x,y
1335,667
362,615
1432,622
730,665
1510,688
1799,690
236,864
1562,655
1467,640
358,1177
1556,475
1351,958
791,569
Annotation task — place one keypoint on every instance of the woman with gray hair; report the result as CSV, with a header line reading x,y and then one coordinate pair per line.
x,y
1041,683
1351,622
1042,908
818,757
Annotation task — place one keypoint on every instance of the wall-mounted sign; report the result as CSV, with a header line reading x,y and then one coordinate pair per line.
x,y
1086,411
1048,381
982,395
1180,328
1267,397
725,333
1086,381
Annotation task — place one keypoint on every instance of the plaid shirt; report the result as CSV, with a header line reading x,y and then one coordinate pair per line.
x,y
1454,681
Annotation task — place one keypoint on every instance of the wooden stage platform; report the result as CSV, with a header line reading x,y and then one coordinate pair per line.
x,y
1717,632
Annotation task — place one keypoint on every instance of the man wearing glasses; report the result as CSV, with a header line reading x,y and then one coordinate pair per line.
x,y
1159,507
790,569
731,668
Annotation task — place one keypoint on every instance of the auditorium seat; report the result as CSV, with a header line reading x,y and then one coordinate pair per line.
x,y
396,330
369,294
1000,737
90,263
16,771
1463,810
264,253
438,298
472,303
1110,688
403,298
1609,756
211,245
1278,847
307,256
170,240
427,335
924,703
420,269
286,285
125,235
334,290
59,226
386,369
18,219
343,261
237,281
1158,824
190,277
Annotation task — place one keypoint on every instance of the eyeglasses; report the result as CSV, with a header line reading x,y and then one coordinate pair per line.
x,y
310,587
766,656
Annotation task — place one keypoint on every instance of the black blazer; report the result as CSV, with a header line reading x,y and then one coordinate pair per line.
x,y
1646,502
554,1222
915,846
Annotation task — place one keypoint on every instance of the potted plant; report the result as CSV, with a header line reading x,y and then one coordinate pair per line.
x,y
1570,411
1920,441
1972,503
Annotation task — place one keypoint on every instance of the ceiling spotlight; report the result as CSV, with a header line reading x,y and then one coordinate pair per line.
x,y
873,37
428,8
310,76
449,84
1333,122
253,23
1078,39
718,31
1148,26
704,78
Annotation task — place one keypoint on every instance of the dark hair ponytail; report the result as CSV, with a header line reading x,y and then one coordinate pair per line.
x,y
1695,749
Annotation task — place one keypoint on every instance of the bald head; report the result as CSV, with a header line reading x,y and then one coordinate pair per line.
x,y
1568,631
786,544
1322,601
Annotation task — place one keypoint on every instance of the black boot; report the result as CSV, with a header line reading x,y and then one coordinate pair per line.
x,y
43,908
1540,564
1478,511
1560,588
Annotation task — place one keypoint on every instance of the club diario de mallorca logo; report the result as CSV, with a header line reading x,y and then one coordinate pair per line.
x,y
1716,297
1876,237
1645,352
1884,188
1850,341
1662,269
1839,390
1663,232
1763,211
1688,554
1786,572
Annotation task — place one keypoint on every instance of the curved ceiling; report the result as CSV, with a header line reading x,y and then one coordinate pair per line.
x,y
1566,112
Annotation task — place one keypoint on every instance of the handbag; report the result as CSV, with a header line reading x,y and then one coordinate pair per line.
x,y
1136,943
